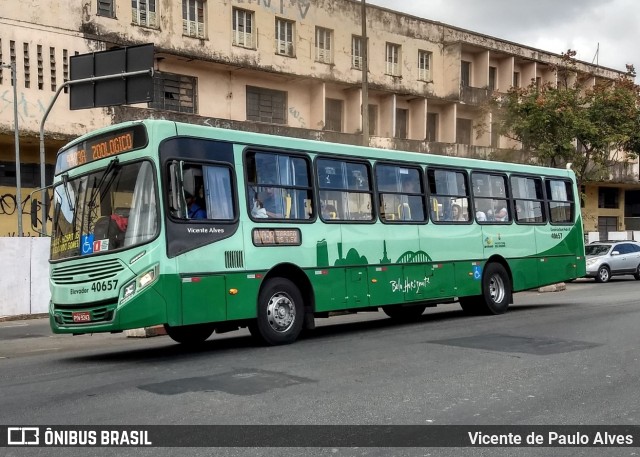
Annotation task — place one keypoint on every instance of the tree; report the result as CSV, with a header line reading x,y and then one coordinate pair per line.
x,y
565,123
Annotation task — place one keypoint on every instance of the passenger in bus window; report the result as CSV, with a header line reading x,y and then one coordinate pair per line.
x,y
481,216
456,213
258,210
194,210
329,212
502,214
268,201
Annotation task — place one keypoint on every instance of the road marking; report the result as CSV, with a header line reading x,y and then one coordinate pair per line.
x,y
40,350
13,325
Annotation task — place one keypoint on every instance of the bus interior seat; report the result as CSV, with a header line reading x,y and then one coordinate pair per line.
x,y
404,212
287,202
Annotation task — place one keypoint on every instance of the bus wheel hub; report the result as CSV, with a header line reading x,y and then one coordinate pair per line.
x,y
281,312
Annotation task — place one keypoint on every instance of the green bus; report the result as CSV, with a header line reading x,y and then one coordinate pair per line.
x,y
202,229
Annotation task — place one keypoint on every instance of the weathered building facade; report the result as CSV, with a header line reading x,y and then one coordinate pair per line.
x,y
291,67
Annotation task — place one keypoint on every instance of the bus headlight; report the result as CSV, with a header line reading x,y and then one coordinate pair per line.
x,y
142,281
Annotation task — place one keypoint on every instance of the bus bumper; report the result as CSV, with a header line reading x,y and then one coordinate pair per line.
x,y
145,309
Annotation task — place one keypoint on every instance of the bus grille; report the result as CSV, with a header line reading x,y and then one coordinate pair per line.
x,y
64,314
91,271
233,259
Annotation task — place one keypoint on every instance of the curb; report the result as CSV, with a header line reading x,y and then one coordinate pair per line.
x,y
22,317
146,332
553,288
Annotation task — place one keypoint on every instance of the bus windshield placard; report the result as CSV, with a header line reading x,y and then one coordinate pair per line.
x,y
101,147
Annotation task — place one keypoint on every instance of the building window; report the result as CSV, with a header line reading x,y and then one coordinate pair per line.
x,y
52,66
608,197
333,118
266,105
424,65
356,52
401,123
393,59
106,8
243,28
516,79
373,120
495,135
465,74
463,131
143,12
174,92
493,78
193,18
27,66
432,126
284,37
323,45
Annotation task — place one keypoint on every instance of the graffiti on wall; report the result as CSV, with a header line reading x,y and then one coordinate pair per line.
x,y
26,109
10,209
284,7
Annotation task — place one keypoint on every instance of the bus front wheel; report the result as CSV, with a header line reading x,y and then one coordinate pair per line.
x,y
189,334
280,313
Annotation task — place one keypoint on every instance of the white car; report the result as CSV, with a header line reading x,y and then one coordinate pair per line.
x,y
611,258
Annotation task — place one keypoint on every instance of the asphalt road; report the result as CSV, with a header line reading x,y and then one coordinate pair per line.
x,y
557,358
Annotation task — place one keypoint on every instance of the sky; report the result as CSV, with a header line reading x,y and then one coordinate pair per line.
x,y
610,28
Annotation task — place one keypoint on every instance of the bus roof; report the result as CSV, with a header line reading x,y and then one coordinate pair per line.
x,y
172,128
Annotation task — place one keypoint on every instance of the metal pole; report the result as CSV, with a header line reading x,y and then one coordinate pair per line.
x,y
14,81
365,78
46,114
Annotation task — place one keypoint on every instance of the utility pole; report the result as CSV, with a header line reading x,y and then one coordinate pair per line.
x,y
14,82
365,78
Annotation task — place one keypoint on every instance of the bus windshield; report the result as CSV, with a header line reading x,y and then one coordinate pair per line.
x,y
109,209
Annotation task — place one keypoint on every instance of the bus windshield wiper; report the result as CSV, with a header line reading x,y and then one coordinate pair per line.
x,y
65,184
97,189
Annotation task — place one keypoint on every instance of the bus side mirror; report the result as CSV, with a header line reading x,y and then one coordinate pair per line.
x,y
36,211
34,214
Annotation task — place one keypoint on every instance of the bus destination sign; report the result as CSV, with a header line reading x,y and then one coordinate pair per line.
x,y
101,147
277,237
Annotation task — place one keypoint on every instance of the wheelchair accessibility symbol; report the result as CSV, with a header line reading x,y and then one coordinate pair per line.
x,y
477,273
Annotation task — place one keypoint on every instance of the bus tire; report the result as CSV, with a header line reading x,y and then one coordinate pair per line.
x,y
189,334
280,313
404,313
496,289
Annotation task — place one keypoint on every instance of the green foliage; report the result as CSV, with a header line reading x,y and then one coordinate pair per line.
x,y
550,120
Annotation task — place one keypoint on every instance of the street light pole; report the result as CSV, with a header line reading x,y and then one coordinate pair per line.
x,y
14,82
365,78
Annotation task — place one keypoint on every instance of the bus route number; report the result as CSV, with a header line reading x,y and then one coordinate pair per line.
x,y
104,286
556,235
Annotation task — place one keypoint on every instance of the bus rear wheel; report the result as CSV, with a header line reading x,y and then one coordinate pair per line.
x,y
496,293
280,313
404,313
190,334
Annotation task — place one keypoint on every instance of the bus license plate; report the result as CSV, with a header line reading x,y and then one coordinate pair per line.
x,y
81,316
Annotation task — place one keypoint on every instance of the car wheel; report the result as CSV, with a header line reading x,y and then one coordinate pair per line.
x,y
604,274
637,273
